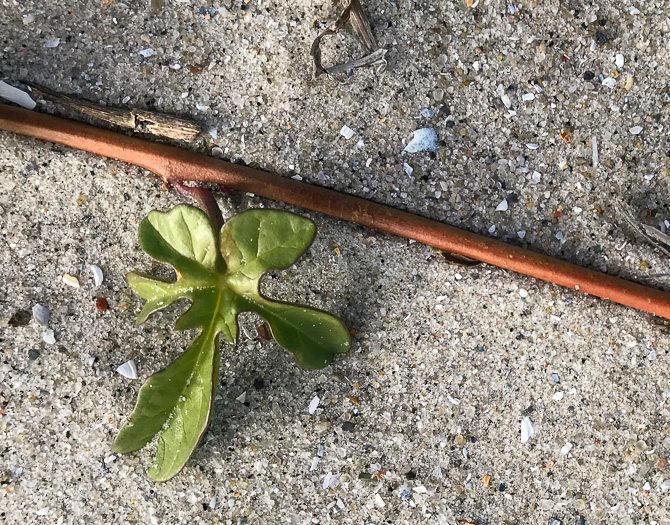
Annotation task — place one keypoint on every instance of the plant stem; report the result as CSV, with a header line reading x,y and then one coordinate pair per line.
x,y
205,200
175,164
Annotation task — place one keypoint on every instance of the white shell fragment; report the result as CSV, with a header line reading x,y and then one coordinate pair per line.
x,y
52,42
128,369
17,96
527,97
41,314
71,280
97,275
527,429
635,130
49,337
242,397
347,132
313,404
566,448
618,60
425,139
146,53
502,206
594,141
609,82
558,396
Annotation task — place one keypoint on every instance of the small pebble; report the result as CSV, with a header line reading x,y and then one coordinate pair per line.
x,y
427,113
49,337
566,448
408,169
537,176
101,304
52,42
521,234
347,132
523,293
528,97
41,314
313,404
652,355
33,354
502,206
609,82
555,377
554,521
146,53
635,130
557,396
71,280
438,95
618,60
348,426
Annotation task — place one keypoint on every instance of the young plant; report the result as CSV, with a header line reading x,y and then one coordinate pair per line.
x,y
219,270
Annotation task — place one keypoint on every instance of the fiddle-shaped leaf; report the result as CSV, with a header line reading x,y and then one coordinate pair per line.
x,y
220,273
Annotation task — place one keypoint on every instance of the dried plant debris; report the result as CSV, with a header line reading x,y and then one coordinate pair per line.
x,y
653,235
156,5
354,15
456,258
138,120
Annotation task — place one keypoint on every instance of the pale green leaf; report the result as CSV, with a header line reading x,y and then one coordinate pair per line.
x,y
176,402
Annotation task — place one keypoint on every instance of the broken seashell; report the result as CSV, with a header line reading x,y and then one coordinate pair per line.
x,y
128,369
97,275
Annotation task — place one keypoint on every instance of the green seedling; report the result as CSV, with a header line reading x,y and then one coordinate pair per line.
x,y
220,272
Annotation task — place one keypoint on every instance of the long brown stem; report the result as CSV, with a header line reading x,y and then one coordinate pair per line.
x,y
175,164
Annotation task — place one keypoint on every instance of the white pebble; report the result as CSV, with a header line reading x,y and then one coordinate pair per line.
x,y
128,369
532,146
492,229
609,82
652,355
635,130
313,404
618,60
242,397
649,176
48,337
521,234
347,132
527,429
408,169
528,97
634,11
566,448
146,53
523,293
502,206
379,501
505,100
52,42
557,396
537,176
110,459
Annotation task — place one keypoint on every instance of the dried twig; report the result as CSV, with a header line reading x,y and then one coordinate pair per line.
x,y
175,164
353,13
138,120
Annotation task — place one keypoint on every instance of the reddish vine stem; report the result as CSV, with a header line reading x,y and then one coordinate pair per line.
x,y
205,200
175,165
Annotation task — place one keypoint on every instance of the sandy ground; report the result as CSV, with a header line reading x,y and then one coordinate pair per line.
x,y
447,361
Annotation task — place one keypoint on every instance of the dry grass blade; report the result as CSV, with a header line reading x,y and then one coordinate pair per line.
x,y
138,120
359,22
353,13
654,236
